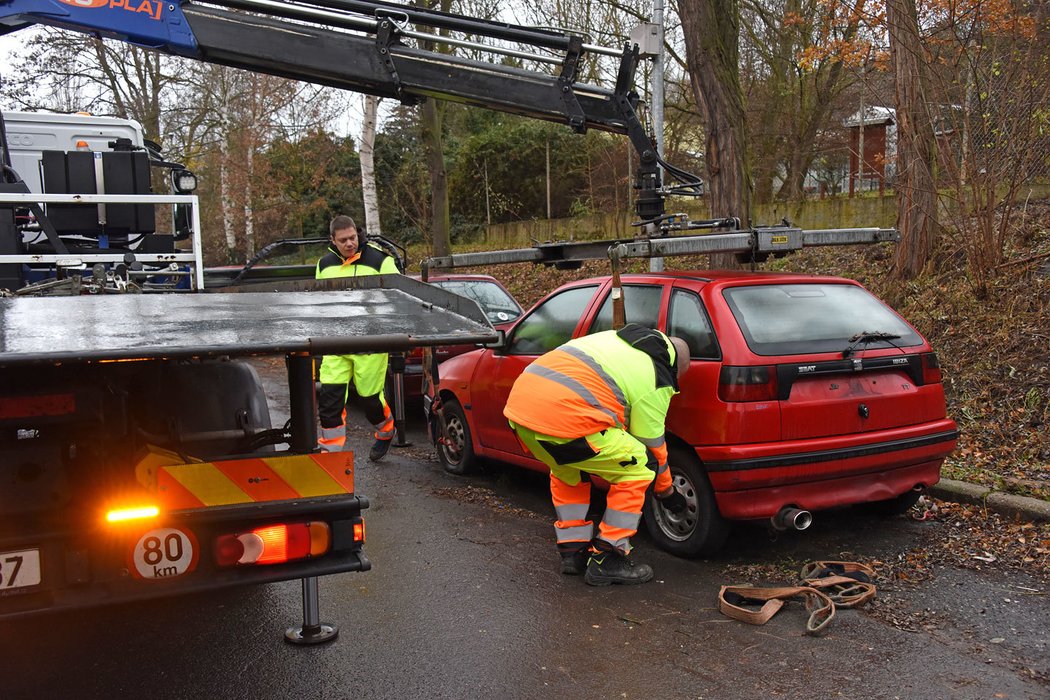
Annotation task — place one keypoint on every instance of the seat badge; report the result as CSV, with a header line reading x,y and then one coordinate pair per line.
x,y
858,364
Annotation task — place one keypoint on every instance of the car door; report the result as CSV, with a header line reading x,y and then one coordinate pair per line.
x,y
552,322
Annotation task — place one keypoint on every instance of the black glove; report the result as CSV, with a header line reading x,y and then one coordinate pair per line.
x,y
674,502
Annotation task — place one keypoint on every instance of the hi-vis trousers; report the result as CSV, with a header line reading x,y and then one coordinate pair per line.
x,y
615,456
367,374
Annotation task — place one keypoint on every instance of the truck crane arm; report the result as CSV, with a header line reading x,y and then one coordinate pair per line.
x,y
363,45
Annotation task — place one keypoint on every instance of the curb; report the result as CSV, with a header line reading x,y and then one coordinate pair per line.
x,y
1006,504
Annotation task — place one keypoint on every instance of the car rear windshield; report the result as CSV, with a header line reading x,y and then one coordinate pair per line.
x,y
793,319
497,304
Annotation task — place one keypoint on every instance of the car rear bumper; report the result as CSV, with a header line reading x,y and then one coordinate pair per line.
x,y
755,481
759,504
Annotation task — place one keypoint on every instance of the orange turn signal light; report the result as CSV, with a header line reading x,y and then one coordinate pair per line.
x,y
118,515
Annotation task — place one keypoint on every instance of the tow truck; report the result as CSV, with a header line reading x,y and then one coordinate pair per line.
x,y
137,458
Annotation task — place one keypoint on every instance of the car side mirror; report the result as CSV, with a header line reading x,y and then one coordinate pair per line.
x,y
499,344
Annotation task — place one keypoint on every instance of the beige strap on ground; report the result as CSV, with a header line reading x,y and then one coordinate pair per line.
x,y
813,568
821,608
846,592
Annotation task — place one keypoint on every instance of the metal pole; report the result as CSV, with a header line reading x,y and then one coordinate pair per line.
x,y
657,264
397,370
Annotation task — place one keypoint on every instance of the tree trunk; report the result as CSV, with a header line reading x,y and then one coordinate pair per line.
x,y
916,144
712,29
226,196
433,111
368,169
249,218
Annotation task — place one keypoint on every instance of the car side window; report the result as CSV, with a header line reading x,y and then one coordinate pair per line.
x,y
641,304
688,320
551,323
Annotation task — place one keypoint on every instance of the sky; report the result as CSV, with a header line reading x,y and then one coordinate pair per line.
x,y
348,124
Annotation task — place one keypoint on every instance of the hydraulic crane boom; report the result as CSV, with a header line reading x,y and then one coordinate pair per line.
x,y
361,45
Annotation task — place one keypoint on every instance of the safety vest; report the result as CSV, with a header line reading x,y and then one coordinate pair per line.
x,y
368,260
621,379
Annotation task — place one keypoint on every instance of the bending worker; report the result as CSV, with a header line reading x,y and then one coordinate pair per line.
x,y
349,255
597,404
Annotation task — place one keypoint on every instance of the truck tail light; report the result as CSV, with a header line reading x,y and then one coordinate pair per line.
x,y
273,544
359,532
747,384
931,368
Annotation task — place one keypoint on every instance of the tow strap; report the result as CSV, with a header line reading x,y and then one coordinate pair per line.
x,y
825,585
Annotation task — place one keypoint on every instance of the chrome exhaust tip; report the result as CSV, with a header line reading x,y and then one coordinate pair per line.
x,y
791,518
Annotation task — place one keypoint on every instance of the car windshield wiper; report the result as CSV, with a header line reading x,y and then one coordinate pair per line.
x,y
865,337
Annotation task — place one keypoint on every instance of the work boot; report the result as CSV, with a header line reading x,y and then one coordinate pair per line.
x,y
608,565
379,449
574,563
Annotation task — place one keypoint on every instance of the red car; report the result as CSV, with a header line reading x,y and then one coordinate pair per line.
x,y
804,393
501,309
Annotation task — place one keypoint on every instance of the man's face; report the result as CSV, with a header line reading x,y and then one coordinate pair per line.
x,y
345,241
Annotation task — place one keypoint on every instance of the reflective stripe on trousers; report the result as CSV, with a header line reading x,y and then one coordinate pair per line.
x,y
570,505
385,428
332,439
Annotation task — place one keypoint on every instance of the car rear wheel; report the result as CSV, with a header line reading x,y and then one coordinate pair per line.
x,y
455,449
700,530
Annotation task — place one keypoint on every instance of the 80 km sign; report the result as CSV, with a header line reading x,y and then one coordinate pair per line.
x,y
164,553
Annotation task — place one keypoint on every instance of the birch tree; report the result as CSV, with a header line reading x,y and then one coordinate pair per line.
x,y
368,168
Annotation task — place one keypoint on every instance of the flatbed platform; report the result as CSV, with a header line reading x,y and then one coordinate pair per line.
x,y
373,314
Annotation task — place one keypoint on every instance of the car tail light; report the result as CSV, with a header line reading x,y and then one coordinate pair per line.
x,y
273,544
931,368
748,384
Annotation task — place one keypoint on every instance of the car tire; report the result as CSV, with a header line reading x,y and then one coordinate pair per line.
x,y
893,506
701,530
456,455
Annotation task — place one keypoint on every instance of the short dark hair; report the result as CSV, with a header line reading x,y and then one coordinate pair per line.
x,y
341,223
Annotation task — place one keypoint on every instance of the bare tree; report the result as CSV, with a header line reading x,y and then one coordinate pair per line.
x,y
989,72
797,67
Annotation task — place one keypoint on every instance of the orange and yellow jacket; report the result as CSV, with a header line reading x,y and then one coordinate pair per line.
x,y
623,379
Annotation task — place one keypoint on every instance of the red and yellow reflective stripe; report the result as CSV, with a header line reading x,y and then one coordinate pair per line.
x,y
255,480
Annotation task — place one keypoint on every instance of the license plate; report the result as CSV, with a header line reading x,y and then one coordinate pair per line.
x,y
19,569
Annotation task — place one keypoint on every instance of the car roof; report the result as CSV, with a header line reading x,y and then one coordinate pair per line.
x,y
457,276
722,276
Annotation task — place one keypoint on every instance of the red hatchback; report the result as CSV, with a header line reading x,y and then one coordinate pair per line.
x,y
804,393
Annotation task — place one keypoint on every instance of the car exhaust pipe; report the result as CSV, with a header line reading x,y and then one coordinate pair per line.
x,y
791,518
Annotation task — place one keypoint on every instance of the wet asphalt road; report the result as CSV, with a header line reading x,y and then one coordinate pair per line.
x,y
465,601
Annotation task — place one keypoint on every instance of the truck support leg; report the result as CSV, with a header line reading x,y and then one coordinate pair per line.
x,y
313,630
304,441
302,404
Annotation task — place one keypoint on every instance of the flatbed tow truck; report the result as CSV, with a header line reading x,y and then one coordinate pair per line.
x,y
137,457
